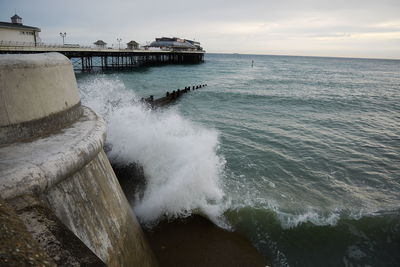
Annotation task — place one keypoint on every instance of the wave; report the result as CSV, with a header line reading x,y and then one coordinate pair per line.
x,y
185,173
270,212
179,157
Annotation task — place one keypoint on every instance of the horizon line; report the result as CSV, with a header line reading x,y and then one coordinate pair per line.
x,y
286,55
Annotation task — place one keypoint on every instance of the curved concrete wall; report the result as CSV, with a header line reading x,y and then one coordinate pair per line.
x,y
34,167
38,94
66,169
98,212
35,86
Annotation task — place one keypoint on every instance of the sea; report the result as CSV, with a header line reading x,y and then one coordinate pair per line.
x,y
299,154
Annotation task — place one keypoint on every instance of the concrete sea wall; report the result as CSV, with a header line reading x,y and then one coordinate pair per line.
x,y
51,155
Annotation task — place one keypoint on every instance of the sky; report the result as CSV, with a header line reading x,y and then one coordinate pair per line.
x,y
339,28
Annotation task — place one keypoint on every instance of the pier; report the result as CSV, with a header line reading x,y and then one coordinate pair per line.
x,y
87,59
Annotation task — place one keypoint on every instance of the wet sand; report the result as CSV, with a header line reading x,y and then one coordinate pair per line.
x,y
195,241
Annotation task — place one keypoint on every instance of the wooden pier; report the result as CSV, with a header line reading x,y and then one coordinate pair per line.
x,y
88,59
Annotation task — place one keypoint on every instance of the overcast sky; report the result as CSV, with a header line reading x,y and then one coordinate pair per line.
x,y
346,28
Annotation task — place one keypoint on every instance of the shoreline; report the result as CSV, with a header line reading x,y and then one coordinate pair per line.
x,y
196,241
191,241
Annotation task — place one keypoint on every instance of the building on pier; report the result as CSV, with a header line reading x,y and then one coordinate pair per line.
x,y
100,44
175,44
196,44
132,45
17,33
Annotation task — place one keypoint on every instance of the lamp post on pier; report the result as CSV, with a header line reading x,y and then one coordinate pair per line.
x,y
119,42
63,35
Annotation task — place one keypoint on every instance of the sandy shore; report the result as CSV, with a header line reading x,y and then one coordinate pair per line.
x,y
195,241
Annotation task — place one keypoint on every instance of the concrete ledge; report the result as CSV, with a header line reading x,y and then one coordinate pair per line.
x,y
33,167
17,246
43,82
62,165
31,129
63,246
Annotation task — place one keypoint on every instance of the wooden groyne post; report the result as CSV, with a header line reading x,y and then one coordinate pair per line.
x,y
170,97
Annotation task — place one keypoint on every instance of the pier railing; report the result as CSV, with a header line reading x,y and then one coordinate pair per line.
x,y
87,58
16,45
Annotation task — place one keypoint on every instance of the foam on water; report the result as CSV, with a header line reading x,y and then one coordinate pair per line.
x,y
184,170
179,158
311,149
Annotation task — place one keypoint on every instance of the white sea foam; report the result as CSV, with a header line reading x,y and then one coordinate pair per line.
x,y
321,216
314,217
179,158
180,161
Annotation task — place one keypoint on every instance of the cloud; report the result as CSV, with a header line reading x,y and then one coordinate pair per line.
x,y
253,26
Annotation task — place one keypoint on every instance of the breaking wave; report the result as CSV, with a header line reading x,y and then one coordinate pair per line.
x,y
179,157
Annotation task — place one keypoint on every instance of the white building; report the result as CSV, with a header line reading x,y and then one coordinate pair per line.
x,y
100,44
15,33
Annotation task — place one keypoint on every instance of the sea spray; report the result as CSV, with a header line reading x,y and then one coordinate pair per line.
x,y
179,158
311,148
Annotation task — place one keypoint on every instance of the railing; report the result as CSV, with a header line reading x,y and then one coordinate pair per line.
x,y
40,44
15,45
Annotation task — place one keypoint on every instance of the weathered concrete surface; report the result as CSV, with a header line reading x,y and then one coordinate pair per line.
x,y
51,235
35,86
26,131
65,169
17,247
32,167
98,212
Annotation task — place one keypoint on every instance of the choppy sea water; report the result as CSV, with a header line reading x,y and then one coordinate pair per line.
x,y
300,154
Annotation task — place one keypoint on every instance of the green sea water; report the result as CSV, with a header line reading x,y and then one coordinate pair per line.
x,y
299,154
